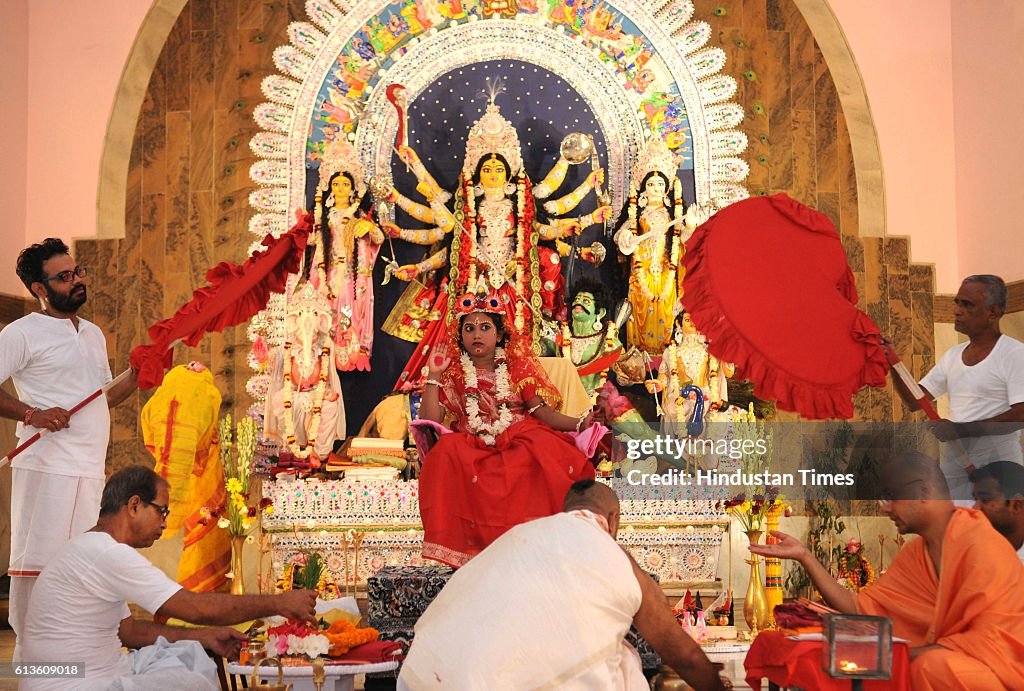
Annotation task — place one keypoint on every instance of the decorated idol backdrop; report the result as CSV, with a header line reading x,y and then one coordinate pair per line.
x,y
197,138
587,92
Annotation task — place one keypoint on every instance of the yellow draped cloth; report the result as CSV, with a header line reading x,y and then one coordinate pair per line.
x,y
974,610
179,427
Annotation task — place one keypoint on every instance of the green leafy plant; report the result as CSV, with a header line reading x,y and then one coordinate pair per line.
x,y
308,575
825,513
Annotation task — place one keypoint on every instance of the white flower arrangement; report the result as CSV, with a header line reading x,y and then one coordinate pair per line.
x,y
311,646
488,432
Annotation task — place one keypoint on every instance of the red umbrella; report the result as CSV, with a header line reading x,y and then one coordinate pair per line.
x,y
768,283
234,294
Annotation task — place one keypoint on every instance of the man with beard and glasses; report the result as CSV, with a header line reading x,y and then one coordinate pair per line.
x,y
55,359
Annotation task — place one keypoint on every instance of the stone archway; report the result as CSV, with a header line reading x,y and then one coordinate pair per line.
x,y
867,155
131,92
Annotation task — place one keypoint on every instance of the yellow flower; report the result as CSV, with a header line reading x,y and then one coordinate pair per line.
x,y
234,485
269,510
239,501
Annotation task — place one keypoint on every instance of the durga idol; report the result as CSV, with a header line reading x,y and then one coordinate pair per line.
x,y
495,233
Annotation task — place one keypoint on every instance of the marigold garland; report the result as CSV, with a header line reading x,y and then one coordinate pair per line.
x,y
343,635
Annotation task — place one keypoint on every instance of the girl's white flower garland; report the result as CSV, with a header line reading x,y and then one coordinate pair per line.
x,y
488,432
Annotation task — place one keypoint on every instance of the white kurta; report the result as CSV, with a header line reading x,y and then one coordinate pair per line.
x,y
546,606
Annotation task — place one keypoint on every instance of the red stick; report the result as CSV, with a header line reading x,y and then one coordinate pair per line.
x,y
959,452
78,406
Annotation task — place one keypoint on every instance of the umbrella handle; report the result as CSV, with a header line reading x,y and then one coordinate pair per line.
x,y
78,406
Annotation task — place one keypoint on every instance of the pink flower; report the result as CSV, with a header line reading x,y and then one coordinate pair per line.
x,y
280,644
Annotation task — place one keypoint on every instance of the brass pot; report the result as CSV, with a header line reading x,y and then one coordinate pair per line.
x,y
667,680
279,686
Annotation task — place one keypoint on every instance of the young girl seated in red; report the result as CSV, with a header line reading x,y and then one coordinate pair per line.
x,y
507,458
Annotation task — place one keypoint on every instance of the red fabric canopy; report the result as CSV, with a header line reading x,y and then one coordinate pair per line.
x,y
235,294
767,282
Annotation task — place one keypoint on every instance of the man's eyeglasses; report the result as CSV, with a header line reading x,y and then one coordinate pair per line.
x,y
66,276
164,510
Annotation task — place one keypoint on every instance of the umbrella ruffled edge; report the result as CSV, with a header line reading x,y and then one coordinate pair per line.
x,y
812,401
150,360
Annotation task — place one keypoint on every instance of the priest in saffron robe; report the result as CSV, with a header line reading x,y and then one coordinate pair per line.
x,y
955,593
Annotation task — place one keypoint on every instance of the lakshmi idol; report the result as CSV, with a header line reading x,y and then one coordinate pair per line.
x,y
652,236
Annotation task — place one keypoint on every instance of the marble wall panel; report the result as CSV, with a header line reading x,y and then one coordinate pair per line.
x,y
826,123
177,59
848,209
226,41
779,112
201,100
203,14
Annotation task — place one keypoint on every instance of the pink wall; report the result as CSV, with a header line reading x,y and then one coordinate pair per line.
x,y
14,116
925,78
905,55
71,63
988,70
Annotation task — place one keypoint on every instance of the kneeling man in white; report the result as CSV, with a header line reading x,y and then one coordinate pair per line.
x,y
79,608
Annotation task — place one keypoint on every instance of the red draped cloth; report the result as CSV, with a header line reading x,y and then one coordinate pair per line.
x,y
785,662
471,493
234,294
370,653
768,283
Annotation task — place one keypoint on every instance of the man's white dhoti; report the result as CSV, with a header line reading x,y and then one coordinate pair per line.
x,y
546,606
47,511
163,666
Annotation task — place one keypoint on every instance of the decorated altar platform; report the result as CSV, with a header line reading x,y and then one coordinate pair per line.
x,y
361,527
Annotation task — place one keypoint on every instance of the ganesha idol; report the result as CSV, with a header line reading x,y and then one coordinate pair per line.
x,y
304,409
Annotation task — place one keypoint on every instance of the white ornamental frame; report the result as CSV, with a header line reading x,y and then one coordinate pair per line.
x,y
314,46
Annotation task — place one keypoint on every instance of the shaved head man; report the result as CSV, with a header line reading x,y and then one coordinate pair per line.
x,y
556,597
954,593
